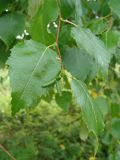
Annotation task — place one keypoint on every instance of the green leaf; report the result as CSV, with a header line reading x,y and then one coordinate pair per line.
x,y
83,131
78,63
102,104
64,100
4,4
11,25
115,7
115,128
24,5
48,12
71,9
117,55
93,46
97,26
91,115
115,110
33,7
31,65
78,12
67,8
111,40
3,54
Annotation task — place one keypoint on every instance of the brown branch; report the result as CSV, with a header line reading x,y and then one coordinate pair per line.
x,y
5,150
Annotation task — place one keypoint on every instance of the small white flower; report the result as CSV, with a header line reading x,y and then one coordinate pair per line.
x,y
48,25
55,25
97,17
26,33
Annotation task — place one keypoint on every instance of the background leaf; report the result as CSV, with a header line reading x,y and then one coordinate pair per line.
x,y
64,100
101,103
115,7
71,9
4,4
48,12
115,128
33,6
3,54
111,40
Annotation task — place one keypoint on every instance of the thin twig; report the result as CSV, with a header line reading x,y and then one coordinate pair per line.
x,y
57,41
107,16
5,150
67,21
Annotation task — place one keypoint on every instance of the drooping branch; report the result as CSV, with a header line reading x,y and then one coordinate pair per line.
x,y
7,152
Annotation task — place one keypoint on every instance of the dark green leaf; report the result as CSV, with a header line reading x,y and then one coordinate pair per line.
x,y
33,6
67,8
117,55
64,100
11,25
48,12
3,54
97,26
71,9
115,7
4,4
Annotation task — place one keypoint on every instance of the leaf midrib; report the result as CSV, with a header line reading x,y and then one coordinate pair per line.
x,y
90,104
30,77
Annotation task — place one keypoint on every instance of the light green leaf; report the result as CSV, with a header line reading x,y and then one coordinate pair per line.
x,y
31,65
48,12
71,9
10,26
78,63
93,46
115,7
91,116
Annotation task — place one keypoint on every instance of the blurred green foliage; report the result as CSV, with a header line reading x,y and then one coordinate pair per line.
x,y
48,133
